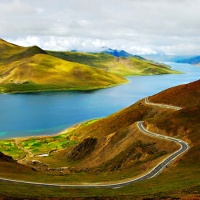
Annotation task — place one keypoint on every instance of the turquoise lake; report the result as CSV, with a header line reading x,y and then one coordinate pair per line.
x,y
48,113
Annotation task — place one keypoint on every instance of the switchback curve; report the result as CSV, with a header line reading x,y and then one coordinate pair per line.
x,y
183,147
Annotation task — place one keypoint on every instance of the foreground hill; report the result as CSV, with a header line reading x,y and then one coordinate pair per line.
x,y
113,148
32,69
123,66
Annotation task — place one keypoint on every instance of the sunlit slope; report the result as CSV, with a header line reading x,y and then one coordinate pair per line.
x,y
32,69
121,66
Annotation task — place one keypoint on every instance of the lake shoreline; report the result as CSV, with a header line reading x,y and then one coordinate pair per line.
x,y
49,113
82,88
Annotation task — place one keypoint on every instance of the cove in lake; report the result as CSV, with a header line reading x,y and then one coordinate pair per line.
x,y
48,113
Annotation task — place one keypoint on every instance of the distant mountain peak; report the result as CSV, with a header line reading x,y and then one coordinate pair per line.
x,y
191,60
120,53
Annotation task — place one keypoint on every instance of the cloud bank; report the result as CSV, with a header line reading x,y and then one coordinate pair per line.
x,y
138,26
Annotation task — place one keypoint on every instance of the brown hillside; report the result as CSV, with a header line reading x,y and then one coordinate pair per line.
x,y
115,134
83,149
115,122
184,123
10,168
114,149
183,95
115,143
5,158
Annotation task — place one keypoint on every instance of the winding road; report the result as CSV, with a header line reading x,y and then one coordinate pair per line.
x,y
157,169
162,105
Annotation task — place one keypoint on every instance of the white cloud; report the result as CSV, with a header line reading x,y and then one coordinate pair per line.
x,y
15,7
27,41
170,26
60,43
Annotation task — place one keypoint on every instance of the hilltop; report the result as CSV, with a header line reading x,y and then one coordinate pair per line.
x,y
113,148
29,69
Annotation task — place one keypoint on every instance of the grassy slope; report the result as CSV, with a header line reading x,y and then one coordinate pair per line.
x,y
121,151
120,66
32,69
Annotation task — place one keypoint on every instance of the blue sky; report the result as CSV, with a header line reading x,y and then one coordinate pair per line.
x,y
138,26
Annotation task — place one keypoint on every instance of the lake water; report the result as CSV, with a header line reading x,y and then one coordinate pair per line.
x,y
48,113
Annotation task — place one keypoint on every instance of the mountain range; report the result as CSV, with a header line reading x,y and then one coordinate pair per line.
x,y
191,60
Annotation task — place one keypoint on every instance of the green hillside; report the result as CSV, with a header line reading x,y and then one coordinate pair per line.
x,y
32,69
121,66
